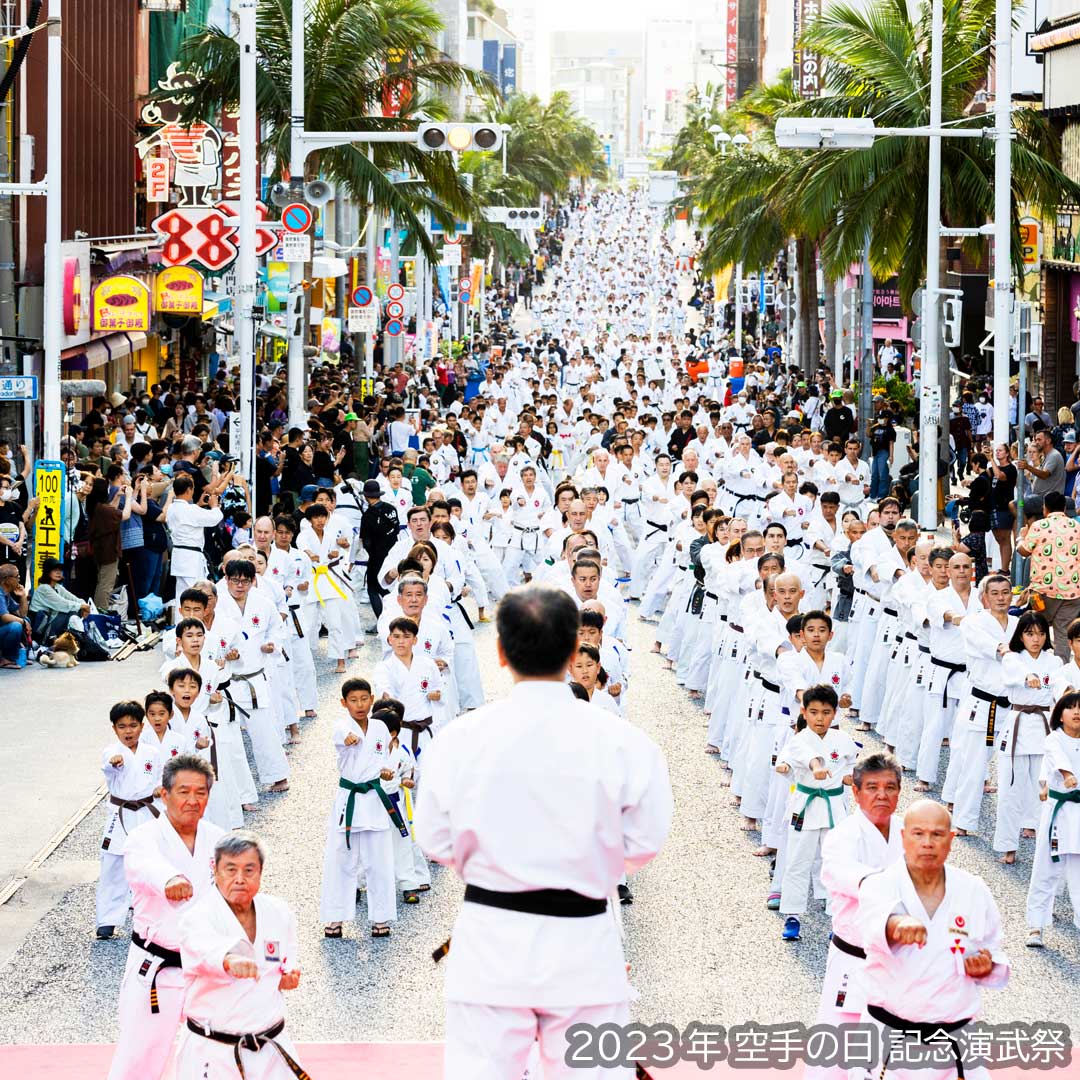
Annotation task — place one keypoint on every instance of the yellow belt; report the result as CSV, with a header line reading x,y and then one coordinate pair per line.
x,y
324,572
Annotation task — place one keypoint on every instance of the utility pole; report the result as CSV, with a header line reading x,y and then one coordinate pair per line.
x,y
297,157
246,271
866,364
372,239
738,310
1003,291
929,389
54,265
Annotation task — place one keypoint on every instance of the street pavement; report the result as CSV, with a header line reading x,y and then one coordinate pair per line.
x,y
700,941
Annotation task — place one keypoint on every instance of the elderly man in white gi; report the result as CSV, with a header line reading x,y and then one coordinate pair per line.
x,y
167,861
536,946
934,941
867,840
239,957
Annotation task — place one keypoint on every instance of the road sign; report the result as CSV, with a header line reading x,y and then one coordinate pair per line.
x,y
363,320
451,256
395,292
296,218
50,479
394,327
464,296
296,247
464,283
395,310
18,388
361,296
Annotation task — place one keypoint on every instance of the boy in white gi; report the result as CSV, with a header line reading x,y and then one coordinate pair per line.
x,y
412,678
358,828
157,733
130,765
820,758
237,961
1057,843
410,867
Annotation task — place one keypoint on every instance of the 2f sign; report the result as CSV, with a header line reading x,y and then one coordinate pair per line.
x,y
49,482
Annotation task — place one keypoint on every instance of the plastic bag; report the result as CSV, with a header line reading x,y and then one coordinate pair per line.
x,y
151,607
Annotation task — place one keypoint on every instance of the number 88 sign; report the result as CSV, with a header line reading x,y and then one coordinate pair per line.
x,y
197,234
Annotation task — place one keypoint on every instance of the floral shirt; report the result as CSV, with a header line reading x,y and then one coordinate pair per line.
x,y
1054,543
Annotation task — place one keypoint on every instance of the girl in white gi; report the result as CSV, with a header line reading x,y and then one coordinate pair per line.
x,y
157,733
131,770
279,668
613,658
820,758
238,957
415,680
411,870
359,824
498,519
1029,672
1057,843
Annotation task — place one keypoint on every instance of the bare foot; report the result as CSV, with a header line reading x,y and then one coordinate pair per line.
x,y
965,832
989,788
695,695
310,714
249,807
655,648
1008,858
294,731
710,749
921,785
944,742
748,824
725,781
1027,834
281,785
762,851
340,669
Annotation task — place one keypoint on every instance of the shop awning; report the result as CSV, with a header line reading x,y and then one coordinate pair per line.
x,y
215,304
98,353
270,330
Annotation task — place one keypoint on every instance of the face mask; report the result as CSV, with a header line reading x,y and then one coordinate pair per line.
x,y
6,496
166,469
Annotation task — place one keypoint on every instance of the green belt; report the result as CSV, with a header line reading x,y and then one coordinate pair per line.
x,y
811,794
1060,798
363,789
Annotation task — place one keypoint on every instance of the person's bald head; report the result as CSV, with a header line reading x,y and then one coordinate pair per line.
x,y
788,591
262,532
927,836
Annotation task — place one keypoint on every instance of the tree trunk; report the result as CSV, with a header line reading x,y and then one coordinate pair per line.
x,y
809,338
831,329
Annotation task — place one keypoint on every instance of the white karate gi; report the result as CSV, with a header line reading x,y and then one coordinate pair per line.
x,y
582,811
370,847
155,854
186,523
929,984
209,932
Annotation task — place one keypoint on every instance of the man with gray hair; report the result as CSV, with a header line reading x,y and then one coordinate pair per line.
x,y
864,842
238,962
167,863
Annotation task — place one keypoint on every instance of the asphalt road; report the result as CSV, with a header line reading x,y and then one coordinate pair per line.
x,y
701,943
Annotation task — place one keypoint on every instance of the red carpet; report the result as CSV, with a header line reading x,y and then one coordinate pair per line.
x,y
365,1061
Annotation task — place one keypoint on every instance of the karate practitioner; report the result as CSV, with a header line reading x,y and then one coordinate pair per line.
x,y
536,947
238,958
168,863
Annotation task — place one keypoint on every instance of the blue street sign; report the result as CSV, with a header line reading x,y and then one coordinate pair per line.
x,y
361,296
18,388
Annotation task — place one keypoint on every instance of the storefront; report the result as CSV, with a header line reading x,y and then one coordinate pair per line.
x,y
1061,310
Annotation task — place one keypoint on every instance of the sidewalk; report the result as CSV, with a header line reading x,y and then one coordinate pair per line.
x,y
53,727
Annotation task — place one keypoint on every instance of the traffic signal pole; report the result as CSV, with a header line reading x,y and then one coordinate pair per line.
x,y
1003,234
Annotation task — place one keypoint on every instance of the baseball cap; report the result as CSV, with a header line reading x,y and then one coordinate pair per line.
x,y
372,489
837,394
1068,436
308,493
351,416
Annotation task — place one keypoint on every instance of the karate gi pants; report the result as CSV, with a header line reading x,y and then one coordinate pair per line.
x,y
146,1039
971,755
333,615
1018,803
520,558
261,726
649,553
1046,876
411,868
370,850
302,667
232,758
841,975
204,1059
865,630
489,563
113,897
937,725
802,854
490,1042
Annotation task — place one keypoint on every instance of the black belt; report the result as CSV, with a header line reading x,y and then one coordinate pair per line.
x,y
910,636
253,1041
712,596
170,958
769,685
630,502
923,648
925,1032
735,626
562,903
293,608
187,547
847,947
464,614
953,669
889,611
655,528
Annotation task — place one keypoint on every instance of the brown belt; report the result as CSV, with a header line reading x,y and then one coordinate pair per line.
x,y
417,726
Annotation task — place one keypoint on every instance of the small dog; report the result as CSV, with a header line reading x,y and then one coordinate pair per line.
x,y
65,650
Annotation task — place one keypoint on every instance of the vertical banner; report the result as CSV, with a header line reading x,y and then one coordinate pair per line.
x,y
49,483
490,58
508,73
476,273
732,35
806,75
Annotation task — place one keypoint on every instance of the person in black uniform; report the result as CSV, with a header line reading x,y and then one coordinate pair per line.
x,y
379,530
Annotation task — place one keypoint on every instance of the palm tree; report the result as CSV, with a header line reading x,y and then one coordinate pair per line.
x,y
346,46
877,63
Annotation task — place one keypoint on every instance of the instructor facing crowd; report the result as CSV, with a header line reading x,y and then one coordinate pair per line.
x,y
540,803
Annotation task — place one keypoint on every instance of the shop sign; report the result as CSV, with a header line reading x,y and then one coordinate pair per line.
x,y
178,291
121,303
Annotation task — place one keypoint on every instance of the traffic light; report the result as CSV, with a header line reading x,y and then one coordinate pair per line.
x,y
515,217
951,310
459,137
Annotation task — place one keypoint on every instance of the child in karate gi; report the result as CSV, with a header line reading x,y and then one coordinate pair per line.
x,y
587,671
412,678
819,758
131,771
358,828
410,866
156,732
1057,843
1030,671
612,657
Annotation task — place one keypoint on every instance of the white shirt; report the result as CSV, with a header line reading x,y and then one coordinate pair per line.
x,y
560,795
186,522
